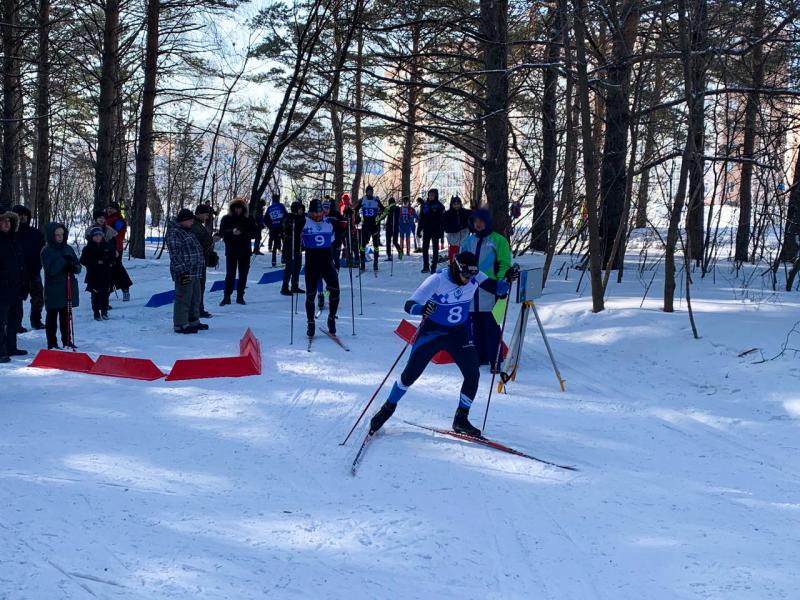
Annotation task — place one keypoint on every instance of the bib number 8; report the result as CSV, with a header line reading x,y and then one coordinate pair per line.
x,y
455,314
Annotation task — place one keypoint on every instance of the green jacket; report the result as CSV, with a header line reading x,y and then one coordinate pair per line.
x,y
55,258
494,259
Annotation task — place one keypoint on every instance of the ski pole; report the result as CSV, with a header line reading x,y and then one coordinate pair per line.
x,y
69,313
561,381
291,289
350,270
383,382
497,360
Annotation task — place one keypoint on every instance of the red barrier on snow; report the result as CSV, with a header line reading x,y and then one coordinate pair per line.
x,y
247,363
406,331
78,362
128,368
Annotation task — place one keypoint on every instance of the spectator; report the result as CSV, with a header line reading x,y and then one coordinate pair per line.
x,y
32,242
292,228
202,214
275,214
99,256
60,265
13,284
456,226
494,259
186,265
392,215
430,229
237,228
109,233
122,280
407,223
260,224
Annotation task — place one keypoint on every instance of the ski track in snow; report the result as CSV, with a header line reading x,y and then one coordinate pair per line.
x,y
689,484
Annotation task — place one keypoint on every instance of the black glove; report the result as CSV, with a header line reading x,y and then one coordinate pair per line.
x,y
70,267
429,308
513,273
213,260
184,279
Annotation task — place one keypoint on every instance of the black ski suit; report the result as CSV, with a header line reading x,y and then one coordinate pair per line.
x,y
430,227
318,237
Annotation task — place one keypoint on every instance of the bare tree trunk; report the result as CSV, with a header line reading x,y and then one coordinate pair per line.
x,y
790,248
543,200
11,118
42,156
107,110
694,219
355,190
494,42
748,146
411,110
338,130
589,157
612,169
649,151
144,151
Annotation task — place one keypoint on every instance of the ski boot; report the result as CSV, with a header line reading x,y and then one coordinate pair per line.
x,y
298,290
97,315
311,330
226,300
425,270
204,314
380,417
104,316
332,324
126,296
240,299
285,291
462,425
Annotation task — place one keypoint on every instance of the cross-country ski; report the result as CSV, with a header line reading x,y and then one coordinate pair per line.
x,y
489,443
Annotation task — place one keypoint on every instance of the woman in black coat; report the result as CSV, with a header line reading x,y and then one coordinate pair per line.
x,y
98,257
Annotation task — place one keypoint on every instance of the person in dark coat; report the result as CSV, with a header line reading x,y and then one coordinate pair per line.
x,y
61,265
392,215
32,242
202,214
274,219
238,229
13,284
429,228
98,256
261,223
186,265
122,280
292,228
456,226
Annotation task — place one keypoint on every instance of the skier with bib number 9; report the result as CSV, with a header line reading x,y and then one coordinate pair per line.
x,y
318,237
443,300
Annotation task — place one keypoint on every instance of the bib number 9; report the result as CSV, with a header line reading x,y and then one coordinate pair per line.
x,y
319,240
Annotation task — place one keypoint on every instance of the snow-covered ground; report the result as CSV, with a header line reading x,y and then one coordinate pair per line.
x,y
689,481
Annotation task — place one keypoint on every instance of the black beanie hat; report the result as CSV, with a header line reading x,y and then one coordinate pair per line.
x,y
184,215
202,209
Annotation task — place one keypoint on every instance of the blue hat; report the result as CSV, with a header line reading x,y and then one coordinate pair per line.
x,y
95,231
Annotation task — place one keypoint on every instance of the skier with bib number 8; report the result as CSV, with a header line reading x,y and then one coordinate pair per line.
x,y
444,300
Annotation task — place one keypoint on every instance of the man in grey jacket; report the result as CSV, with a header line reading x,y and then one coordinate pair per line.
x,y
186,265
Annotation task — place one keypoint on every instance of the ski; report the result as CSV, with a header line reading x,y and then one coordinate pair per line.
x,y
360,454
335,338
489,444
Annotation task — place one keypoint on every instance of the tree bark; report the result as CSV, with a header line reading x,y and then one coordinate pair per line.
x,y
643,192
337,130
42,157
748,145
355,190
543,200
144,151
694,219
494,42
107,110
790,249
11,117
612,169
406,169
589,157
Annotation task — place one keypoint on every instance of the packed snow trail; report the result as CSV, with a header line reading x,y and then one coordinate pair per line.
x,y
237,488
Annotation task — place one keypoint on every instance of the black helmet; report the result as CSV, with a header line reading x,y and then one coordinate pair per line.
x,y
296,206
465,264
315,206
